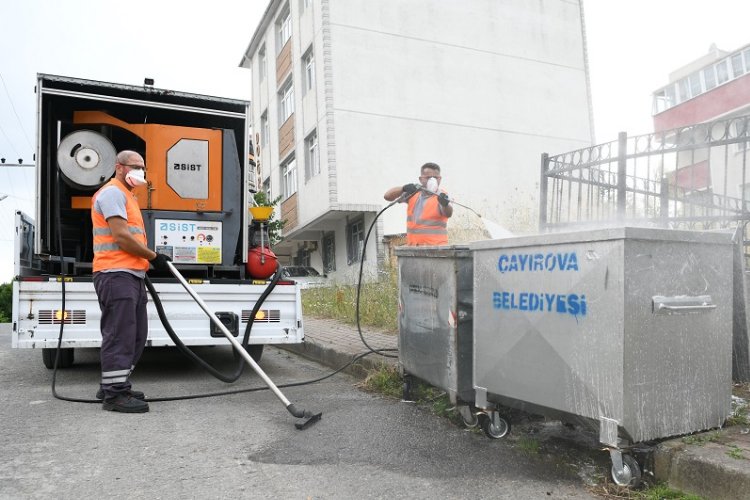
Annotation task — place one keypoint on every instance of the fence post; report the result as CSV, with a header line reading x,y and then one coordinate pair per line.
x,y
622,145
543,193
664,201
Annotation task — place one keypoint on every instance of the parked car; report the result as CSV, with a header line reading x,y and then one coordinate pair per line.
x,y
306,276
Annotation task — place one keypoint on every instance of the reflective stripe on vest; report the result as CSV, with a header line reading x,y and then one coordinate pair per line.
x,y
107,253
425,225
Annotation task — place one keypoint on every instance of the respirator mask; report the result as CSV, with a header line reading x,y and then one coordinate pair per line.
x,y
136,177
432,184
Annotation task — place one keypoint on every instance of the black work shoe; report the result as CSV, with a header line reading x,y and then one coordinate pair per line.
x,y
132,394
125,404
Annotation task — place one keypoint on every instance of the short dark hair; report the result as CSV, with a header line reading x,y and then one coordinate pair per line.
x,y
433,166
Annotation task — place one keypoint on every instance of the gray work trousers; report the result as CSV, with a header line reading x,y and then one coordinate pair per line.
x,y
124,327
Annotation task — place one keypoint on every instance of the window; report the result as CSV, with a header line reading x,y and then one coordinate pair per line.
x,y
695,84
746,55
283,28
722,73
684,89
262,64
329,253
267,189
709,76
308,70
289,178
264,130
286,101
737,68
312,158
305,4
355,238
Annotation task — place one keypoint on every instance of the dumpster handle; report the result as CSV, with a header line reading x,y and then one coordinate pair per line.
x,y
687,308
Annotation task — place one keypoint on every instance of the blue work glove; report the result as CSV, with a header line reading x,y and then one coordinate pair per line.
x,y
443,199
160,263
410,188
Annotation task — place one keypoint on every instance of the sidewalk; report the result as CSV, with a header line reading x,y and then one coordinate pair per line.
x,y
714,465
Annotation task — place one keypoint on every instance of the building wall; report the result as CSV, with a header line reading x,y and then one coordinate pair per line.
x,y
482,87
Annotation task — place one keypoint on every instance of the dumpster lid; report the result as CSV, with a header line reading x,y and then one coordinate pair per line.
x,y
611,233
433,251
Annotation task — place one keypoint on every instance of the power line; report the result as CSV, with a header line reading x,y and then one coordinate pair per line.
x,y
23,129
9,141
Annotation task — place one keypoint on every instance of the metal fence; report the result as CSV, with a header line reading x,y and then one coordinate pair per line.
x,y
689,178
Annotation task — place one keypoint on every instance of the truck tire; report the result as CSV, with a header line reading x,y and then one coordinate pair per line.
x,y
65,361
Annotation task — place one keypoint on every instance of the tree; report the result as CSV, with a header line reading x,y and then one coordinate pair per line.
x,y
275,225
6,302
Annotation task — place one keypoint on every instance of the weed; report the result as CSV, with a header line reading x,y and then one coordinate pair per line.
x,y
385,380
529,445
735,452
702,438
739,414
378,302
660,491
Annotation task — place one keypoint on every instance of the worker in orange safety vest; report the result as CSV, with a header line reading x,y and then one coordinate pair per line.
x,y
121,259
427,212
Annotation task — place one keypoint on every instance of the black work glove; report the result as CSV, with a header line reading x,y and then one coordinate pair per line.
x,y
443,199
160,263
410,188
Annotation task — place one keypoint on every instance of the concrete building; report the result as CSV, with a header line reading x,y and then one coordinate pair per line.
x,y
714,86
351,97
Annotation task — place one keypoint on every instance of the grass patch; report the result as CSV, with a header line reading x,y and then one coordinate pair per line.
x,y
384,380
378,302
656,491
702,438
529,445
735,452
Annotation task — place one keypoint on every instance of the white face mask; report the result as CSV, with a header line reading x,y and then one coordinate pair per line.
x,y
136,177
432,184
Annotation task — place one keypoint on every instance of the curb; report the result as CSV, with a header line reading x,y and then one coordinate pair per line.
x,y
336,359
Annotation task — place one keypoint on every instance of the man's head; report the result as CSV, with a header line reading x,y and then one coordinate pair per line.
x,y
429,170
130,169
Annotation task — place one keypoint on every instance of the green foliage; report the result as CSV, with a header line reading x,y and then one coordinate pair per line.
x,y
385,380
275,225
529,445
735,452
661,491
378,303
702,438
6,302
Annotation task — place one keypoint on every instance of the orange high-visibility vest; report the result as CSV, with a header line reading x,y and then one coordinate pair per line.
x,y
107,253
425,225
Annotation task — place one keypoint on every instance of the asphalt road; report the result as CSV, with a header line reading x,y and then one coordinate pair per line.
x,y
246,445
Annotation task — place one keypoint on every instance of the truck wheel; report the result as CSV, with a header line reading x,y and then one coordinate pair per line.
x,y
65,361
255,351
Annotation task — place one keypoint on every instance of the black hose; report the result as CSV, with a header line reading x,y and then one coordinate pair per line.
x,y
359,283
245,339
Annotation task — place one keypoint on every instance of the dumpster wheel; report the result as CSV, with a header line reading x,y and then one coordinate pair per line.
x,y
630,475
468,416
495,426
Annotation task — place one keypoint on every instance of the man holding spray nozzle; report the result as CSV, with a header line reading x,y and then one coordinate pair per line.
x,y
428,211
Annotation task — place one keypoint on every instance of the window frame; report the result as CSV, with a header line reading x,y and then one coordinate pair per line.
x,y
262,64
288,177
308,71
283,28
286,101
355,228
329,254
312,155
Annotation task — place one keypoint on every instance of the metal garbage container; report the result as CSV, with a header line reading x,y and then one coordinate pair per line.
x,y
435,321
627,330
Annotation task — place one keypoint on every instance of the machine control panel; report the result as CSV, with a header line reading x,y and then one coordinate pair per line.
x,y
189,241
